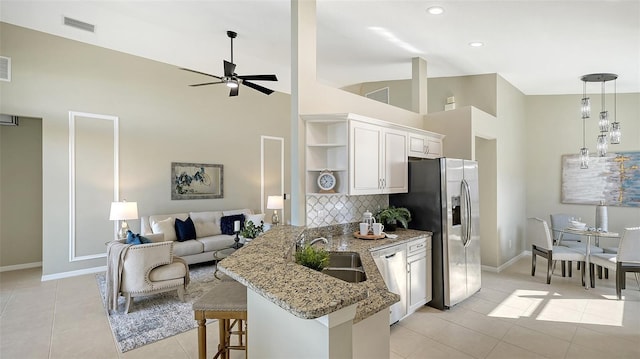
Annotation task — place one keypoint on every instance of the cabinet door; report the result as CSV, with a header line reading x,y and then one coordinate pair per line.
x,y
365,158
417,145
395,162
417,282
434,147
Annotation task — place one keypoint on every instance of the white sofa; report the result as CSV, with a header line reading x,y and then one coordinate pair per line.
x,y
209,237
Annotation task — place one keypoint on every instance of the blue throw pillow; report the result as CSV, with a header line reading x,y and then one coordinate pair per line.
x,y
135,238
185,230
226,223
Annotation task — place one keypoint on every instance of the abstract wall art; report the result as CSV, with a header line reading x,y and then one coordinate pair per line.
x,y
614,179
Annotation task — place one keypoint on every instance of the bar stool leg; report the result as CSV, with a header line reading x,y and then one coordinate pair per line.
x,y
202,338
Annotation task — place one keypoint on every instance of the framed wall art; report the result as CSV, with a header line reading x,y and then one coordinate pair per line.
x,y
614,179
196,181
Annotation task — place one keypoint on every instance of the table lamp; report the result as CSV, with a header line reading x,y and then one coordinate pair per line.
x,y
275,203
121,211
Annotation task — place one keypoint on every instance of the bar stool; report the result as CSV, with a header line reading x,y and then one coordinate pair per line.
x,y
226,302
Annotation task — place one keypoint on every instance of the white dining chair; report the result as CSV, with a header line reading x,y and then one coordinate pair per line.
x,y
626,260
561,221
542,245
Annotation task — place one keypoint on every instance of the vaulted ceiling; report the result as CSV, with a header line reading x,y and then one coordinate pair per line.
x,y
541,47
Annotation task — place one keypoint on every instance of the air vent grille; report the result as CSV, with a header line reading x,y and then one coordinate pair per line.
x,y
79,24
381,95
5,68
8,120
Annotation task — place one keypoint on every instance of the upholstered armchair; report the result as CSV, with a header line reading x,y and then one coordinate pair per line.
x,y
151,268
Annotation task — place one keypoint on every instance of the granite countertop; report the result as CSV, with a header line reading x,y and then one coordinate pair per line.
x,y
265,266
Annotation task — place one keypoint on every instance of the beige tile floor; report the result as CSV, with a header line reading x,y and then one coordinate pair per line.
x,y
513,316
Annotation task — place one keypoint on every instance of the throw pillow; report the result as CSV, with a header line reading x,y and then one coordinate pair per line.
x,y
166,227
226,223
207,223
185,230
135,238
255,218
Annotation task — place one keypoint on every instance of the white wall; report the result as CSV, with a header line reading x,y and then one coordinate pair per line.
x,y
512,170
21,193
554,128
504,195
162,120
312,97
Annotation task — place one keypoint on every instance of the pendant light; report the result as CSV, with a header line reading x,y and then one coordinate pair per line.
x,y
609,131
586,112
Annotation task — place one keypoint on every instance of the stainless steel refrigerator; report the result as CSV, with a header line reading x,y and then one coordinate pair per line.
x,y
443,198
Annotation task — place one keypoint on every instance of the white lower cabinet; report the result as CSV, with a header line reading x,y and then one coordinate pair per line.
x,y
410,279
418,275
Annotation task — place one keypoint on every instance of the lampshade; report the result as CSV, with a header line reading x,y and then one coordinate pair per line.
x,y
123,211
275,202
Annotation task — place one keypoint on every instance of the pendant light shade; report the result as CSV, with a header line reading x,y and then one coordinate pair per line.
x,y
584,158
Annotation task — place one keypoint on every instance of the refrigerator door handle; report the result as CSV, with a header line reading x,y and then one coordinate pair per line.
x,y
466,229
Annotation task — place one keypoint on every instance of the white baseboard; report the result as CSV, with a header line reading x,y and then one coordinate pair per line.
x,y
20,266
507,264
73,273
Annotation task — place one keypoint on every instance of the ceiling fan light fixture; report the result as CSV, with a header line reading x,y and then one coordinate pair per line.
x,y
232,83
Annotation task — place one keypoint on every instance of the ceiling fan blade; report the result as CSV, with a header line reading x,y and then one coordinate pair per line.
x,y
201,73
259,77
264,90
234,91
229,68
207,83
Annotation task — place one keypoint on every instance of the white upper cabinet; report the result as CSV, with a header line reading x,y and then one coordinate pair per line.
x,y
364,155
424,144
378,159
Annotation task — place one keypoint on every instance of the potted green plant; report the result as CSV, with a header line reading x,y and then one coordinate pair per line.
x,y
314,258
390,217
251,231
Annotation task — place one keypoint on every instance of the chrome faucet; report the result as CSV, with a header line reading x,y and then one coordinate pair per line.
x,y
319,239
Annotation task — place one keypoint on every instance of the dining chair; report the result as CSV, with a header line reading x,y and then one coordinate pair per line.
x,y
561,221
542,245
626,260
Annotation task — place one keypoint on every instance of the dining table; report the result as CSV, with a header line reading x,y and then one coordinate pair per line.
x,y
589,234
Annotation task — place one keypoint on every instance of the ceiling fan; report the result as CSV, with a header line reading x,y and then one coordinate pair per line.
x,y
233,80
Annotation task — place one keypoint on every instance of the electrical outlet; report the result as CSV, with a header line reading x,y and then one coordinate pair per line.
x,y
510,242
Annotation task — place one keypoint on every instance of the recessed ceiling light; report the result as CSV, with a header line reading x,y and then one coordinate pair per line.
x,y
476,44
436,10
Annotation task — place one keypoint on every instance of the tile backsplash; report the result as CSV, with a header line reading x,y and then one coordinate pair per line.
x,y
325,210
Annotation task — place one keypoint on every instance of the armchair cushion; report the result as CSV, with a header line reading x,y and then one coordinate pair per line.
x,y
170,271
185,230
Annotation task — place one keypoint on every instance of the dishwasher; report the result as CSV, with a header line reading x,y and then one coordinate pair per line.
x,y
391,263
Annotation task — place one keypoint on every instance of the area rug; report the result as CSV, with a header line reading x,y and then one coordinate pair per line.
x,y
159,316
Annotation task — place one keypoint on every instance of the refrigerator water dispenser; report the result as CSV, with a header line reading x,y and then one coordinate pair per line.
x,y
455,208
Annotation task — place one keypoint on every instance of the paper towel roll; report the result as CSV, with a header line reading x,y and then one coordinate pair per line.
x,y
601,217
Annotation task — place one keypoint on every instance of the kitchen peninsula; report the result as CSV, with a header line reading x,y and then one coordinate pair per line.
x,y
294,311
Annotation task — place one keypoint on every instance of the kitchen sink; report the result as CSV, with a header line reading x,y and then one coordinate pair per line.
x,y
344,260
351,275
346,266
